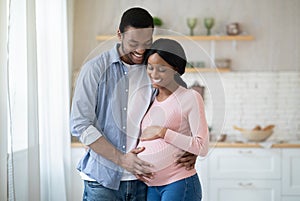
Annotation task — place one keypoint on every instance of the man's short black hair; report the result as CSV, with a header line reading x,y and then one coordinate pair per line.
x,y
136,17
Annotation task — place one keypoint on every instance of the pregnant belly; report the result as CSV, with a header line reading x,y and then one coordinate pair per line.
x,y
158,153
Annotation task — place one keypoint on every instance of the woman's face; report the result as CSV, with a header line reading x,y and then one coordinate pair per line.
x,y
160,72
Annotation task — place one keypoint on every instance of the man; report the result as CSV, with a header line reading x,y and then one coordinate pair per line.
x,y
112,95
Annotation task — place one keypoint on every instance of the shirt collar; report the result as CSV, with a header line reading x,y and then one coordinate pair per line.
x,y
115,56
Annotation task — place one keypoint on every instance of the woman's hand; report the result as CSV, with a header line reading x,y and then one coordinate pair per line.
x,y
186,159
153,132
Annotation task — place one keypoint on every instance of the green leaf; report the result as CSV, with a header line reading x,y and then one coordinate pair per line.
x,y
157,21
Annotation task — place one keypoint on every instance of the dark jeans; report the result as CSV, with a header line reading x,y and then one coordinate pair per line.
x,y
129,191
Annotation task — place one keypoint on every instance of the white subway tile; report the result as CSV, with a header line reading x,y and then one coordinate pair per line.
x,y
252,98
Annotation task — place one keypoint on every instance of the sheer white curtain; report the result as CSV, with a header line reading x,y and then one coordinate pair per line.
x,y
3,100
37,92
53,90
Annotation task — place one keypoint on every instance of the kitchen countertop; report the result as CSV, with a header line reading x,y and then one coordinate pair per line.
x,y
255,145
237,145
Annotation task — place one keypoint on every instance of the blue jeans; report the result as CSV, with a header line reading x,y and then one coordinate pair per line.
x,y
188,189
129,191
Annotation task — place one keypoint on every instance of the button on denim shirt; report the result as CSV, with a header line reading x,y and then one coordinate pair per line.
x,y
99,109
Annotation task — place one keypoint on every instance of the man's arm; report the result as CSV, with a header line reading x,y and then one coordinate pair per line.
x,y
128,161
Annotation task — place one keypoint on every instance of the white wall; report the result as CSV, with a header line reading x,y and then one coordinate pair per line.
x,y
275,25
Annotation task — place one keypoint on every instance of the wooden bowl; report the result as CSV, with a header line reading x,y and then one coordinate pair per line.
x,y
257,135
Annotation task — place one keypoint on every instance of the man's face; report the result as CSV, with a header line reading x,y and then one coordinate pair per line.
x,y
134,43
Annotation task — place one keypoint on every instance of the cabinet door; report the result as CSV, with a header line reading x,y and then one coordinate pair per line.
x,y
76,182
245,190
238,163
290,172
201,167
290,198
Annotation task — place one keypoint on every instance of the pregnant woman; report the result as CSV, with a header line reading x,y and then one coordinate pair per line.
x,y
175,123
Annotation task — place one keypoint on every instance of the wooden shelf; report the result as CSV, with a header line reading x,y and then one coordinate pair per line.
x,y
105,37
207,38
210,38
196,70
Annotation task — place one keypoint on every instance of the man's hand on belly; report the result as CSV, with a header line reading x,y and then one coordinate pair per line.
x,y
136,166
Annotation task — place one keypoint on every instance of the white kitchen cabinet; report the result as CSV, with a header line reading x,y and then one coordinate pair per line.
x,y
76,182
202,170
244,174
244,189
290,198
239,163
291,173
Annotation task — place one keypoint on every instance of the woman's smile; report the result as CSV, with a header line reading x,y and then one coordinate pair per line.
x,y
156,80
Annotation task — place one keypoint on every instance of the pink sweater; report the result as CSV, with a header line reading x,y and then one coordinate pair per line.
x,y
183,114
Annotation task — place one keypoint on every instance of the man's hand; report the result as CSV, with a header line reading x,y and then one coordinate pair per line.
x,y
145,177
128,161
186,159
136,166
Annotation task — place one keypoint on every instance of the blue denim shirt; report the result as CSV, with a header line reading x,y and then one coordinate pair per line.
x,y
99,108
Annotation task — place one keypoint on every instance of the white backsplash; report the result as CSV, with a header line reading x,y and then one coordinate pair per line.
x,y
252,98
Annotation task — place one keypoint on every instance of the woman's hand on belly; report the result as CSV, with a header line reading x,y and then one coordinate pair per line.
x,y
153,132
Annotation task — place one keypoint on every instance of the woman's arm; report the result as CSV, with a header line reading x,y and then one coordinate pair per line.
x,y
197,143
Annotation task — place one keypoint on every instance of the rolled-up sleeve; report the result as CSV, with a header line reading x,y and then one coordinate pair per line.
x,y
90,135
83,114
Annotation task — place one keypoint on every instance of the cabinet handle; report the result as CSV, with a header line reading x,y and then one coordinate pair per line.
x,y
245,185
245,152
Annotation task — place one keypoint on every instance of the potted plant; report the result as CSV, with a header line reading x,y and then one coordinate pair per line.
x,y
157,21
